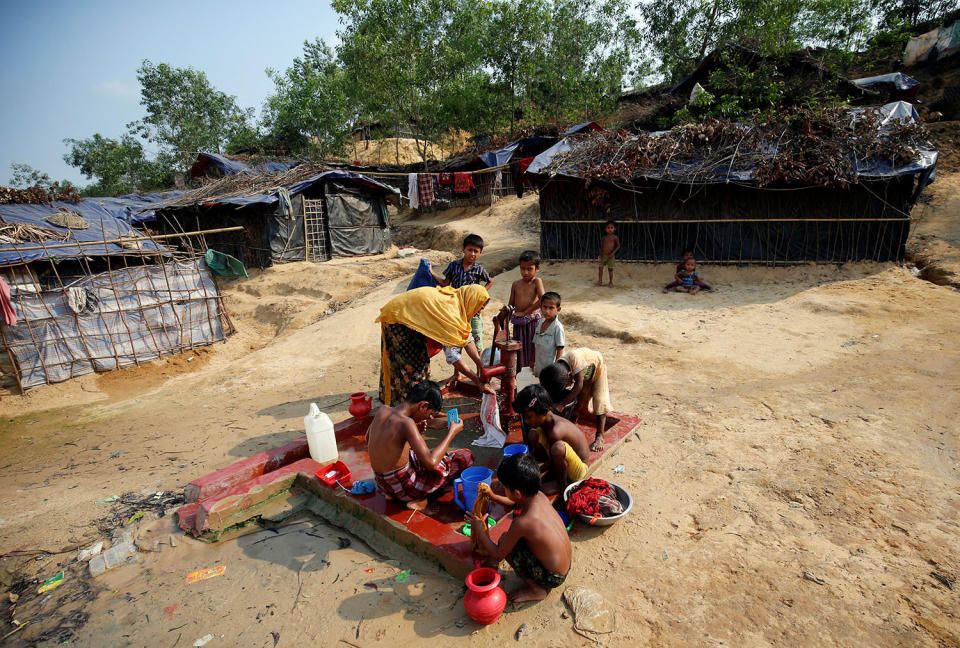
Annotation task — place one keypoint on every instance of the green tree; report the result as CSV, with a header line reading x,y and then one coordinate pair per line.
x,y
584,58
185,113
117,166
308,109
513,35
24,175
679,33
402,60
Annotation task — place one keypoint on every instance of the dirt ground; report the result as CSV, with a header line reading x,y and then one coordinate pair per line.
x,y
795,479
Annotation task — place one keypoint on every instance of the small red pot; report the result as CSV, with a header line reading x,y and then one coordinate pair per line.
x,y
484,600
359,407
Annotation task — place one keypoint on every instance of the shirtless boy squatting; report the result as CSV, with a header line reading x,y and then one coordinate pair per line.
x,y
536,545
404,467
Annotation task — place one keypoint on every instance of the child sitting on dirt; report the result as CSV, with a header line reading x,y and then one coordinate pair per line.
x,y
609,246
404,467
549,339
580,375
551,437
525,294
683,280
536,545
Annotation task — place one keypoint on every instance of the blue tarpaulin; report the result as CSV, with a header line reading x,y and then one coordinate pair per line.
x,y
135,208
230,167
500,156
104,225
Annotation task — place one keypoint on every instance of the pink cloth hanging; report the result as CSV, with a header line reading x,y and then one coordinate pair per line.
x,y
6,304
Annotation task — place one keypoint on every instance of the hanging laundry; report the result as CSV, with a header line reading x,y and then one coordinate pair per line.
x,y
6,304
518,170
425,189
463,182
445,179
412,191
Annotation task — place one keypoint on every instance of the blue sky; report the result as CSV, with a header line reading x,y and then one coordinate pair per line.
x,y
69,68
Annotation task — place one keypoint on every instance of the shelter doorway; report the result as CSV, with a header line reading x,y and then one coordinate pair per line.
x,y
315,230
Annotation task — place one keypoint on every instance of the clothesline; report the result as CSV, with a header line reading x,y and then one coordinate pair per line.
x,y
384,174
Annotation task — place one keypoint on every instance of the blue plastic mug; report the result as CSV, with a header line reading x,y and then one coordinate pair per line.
x,y
515,448
469,481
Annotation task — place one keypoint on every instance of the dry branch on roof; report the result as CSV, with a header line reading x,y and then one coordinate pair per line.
x,y
26,233
246,184
807,147
37,195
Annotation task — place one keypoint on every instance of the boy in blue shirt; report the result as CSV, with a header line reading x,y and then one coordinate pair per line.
x,y
467,271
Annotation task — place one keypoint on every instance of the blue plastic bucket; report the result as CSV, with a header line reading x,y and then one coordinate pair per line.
x,y
515,448
469,481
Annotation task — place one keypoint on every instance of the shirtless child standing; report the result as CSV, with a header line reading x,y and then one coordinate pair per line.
x,y
404,467
609,246
525,294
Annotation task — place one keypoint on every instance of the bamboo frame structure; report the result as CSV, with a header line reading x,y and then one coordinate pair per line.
x,y
107,315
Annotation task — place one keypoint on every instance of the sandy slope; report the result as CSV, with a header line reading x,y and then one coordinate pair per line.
x,y
771,446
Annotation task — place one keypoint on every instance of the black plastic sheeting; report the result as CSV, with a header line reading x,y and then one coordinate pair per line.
x,y
285,233
356,221
762,224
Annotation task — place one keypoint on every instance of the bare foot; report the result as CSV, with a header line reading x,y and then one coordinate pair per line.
x,y
597,445
426,506
610,285
528,592
600,283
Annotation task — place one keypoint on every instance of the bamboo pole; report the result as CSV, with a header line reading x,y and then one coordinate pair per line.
x,y
122,240
732,220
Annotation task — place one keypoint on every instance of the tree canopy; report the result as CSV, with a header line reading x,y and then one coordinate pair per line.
x,y
486,67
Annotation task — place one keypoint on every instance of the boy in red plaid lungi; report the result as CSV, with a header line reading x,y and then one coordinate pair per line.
x,y
404,467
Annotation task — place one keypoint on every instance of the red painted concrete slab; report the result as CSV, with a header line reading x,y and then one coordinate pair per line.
x,y
221,481
213,511
435,537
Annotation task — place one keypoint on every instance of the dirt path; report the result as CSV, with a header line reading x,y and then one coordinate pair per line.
x,y
797,421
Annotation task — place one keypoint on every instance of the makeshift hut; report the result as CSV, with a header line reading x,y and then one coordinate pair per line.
x,y
309,213
82,291
830,187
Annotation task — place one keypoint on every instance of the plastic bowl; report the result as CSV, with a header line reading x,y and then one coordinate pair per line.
x,y
622,495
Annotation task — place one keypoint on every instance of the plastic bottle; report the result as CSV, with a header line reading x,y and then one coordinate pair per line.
x,y
525,377
320,436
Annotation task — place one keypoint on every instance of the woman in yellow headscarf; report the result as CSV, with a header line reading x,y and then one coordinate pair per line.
x,y
419,323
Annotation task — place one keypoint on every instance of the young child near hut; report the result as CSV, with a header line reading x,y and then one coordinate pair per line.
x,y
525,295
580,376
551,437
681,276
549,340
536,545
404,467
609,246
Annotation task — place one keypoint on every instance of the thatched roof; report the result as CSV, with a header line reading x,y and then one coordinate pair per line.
x,y
245,184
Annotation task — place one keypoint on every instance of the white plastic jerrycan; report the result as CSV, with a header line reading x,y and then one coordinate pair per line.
x,y
321,439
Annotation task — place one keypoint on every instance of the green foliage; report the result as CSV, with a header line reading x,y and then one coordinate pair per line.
x,y
308,109
680,33
24,176
117,166
185,113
